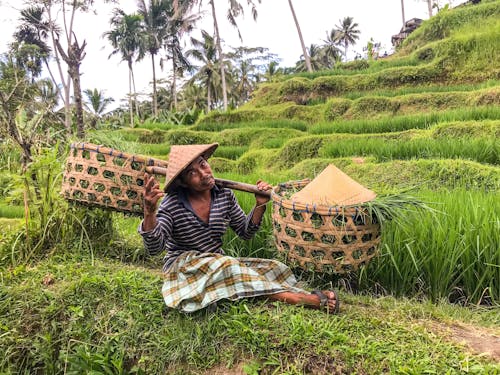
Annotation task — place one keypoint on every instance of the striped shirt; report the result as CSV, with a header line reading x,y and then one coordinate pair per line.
x,y
179,229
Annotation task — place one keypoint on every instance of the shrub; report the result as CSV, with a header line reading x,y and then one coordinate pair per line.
x,y
297,150
188,137
222,165
336,108
355,65
155,136
329,85
372,104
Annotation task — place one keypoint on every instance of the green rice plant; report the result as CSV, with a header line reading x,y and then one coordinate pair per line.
x,y
11,212
401,123
230,152
406,90
450,253
208,125
159,149
484,150
151,125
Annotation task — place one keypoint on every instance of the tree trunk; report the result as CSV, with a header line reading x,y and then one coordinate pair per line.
x,y
77,93
304,51
130,105
209,94
155,100
65,81
429,7
403,11
134,90
221,56
73,59
174,83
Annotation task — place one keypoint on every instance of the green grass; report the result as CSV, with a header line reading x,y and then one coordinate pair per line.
x,y
207,125
423,89
104,317
485,150
11,212
401,123
450,254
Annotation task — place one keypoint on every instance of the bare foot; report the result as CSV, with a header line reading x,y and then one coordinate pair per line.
x,y
324,300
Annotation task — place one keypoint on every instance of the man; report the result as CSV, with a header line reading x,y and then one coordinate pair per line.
x,y
189,225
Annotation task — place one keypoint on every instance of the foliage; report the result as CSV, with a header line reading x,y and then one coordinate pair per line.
x,y
450,254
55,329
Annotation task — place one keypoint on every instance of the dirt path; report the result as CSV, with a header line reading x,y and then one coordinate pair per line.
x,y
479,340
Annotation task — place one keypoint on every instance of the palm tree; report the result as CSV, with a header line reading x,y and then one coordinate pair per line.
x,y
330,49
316,59
348,33
33,31
180,23
155,18
128,39
272,70
234,10
205,51
304,50
96,103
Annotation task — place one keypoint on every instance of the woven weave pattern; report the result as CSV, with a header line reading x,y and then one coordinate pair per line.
x,y
100,176
322,238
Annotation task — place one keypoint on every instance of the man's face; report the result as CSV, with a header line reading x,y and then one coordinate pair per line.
x,y
198,175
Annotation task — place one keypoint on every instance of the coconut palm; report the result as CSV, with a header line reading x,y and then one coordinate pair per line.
x,y
207,75
234,10
348,33
96,103
316,59
128,39
181,21
272,70
33,32
155,17
331,51
307,59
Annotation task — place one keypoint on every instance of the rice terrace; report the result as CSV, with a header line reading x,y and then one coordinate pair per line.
x,y
420,128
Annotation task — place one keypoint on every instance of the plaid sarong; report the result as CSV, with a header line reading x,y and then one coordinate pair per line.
x,y
195,280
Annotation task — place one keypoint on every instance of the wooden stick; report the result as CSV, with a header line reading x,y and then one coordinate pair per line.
x,y
241,186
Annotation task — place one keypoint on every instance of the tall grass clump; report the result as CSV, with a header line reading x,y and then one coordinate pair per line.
x,y
451,253
49,223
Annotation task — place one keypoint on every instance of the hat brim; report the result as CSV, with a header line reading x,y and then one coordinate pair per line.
x,y
172,183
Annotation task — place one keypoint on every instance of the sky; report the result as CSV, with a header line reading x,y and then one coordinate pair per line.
x,y
274,29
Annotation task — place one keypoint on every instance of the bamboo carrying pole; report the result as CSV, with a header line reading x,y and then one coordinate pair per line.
x,y
234,185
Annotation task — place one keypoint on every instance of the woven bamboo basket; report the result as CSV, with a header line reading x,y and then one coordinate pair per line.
x,y
104,177
320,237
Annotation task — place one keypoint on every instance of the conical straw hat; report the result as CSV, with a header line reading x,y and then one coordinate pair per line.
x,y
332,187
181,156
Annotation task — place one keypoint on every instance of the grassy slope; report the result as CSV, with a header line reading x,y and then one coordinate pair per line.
x,y
106,316
77,314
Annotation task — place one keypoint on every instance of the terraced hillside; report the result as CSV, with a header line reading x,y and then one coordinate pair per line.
x,y
426,118
425,121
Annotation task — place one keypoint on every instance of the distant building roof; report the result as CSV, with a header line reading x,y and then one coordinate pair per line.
x,y
406,30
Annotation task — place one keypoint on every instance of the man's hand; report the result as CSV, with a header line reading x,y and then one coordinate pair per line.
x,y
262,199
152,194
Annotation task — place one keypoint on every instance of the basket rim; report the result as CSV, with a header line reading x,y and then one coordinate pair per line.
x,y
321,209
101,149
